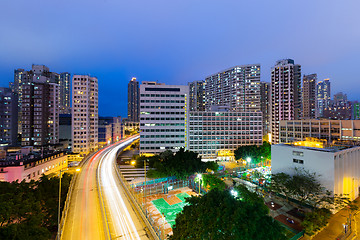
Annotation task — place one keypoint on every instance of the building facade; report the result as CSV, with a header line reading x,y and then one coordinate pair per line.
x,y
237,87
329,130
162,117
215,135
84,114
8,117
309,96
265,97
196,96
40,113
64,83
285,94
133,101
323,94
338,169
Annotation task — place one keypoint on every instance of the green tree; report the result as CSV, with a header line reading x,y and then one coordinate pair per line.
x,y
315,220
218,215
211,182
256,153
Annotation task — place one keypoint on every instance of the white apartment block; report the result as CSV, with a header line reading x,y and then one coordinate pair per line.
x,y
84,114
338,168
237,87
216,134
162,117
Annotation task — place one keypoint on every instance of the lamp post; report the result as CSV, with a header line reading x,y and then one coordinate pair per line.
x,y
248,160
199,177
145,185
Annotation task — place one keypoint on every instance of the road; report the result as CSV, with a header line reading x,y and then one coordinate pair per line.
x,y
98,208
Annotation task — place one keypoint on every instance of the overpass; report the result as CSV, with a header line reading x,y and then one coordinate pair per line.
x,y
98,207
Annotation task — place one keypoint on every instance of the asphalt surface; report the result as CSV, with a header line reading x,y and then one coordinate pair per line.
x,y
98,208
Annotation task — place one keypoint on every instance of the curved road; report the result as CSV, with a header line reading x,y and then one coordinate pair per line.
x,y
108,215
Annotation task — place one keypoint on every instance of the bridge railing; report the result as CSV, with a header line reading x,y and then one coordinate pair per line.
x,y
156,233
65,210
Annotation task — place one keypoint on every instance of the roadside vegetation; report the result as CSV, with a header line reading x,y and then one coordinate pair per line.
x,y
181,164
30,210
221,215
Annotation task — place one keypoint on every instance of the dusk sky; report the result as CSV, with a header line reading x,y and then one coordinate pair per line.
x,y
177,41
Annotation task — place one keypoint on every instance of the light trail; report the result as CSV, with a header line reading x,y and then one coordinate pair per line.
x,y
122,222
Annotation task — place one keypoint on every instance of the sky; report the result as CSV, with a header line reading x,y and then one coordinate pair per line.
x,y
179,41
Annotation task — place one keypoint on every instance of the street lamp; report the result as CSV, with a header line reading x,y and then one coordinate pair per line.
x,y
199,177
234,193
248,160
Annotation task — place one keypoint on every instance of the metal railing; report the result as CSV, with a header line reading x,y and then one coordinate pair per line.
x,y
156,234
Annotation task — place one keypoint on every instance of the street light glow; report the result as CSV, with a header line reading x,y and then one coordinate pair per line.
x,y
248,160
78,170
234,193
199,175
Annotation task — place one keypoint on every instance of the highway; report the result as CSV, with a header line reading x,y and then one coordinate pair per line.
x,y
99,208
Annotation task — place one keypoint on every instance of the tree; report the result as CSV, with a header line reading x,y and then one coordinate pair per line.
x,y
315,220
182,164
211,182
303,186
218,215
256,153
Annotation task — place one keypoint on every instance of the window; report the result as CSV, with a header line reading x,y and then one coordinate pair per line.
x,y
297,153
298,161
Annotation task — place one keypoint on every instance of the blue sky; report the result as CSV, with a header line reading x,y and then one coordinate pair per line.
x,y
179,41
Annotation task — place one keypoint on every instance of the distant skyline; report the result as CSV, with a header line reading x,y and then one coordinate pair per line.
x,y
178,42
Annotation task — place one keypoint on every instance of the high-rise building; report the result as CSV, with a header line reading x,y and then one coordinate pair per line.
x,y
162,117
309,96
355,110
196,96
323,97
41,73
285,94
265,106
64,83
8,117
40,112
133,101
237,87
338,108
84,114
19,77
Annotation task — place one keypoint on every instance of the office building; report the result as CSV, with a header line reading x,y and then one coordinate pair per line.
x,y
337,168
237,87
162,117
102,125
309,96
285,94
64,83
323,96
65,127
265,98
84,114
196,96
133,101
330,130
216,134
8,117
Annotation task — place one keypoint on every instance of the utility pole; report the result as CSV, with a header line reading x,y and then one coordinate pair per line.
x,y
58,237
145,186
